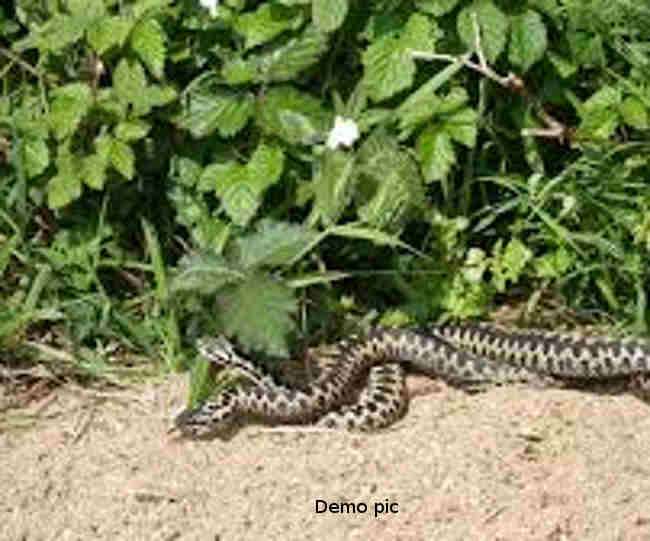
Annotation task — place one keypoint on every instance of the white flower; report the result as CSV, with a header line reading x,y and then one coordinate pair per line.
x,y
345,132
210,5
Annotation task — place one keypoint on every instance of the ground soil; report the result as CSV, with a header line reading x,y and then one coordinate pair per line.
x,y
511,463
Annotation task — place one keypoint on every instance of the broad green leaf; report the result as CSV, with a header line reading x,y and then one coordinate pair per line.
x,y
155,96
600,113
436,7
239,71
265,167
148,41
528,39
132,130
275,244
258,312
414,112
493,28
129,81
267,22
241,202
286,62
219,110
507,265
436,153
108,31
59,32
328,15
564,67
390,184
94,171
241,187
635,113
70,105
463,299
62,190
462,126
295,116
122,158
148,7
204,273
389,68
35,155
90,9
554,264
221,176
332,186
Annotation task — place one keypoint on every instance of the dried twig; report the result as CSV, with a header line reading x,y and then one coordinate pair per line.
x,y
554,128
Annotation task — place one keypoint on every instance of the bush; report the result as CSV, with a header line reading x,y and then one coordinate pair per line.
x,y
178,168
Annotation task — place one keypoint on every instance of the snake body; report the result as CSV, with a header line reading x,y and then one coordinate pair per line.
x,y
464,355
547,352
326,400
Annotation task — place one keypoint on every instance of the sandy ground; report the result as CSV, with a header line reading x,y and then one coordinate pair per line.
x,y
509,464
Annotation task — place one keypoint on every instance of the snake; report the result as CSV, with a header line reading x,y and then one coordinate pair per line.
x,y
465,355
362,385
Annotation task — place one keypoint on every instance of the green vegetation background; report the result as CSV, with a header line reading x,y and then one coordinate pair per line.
x,y
165,173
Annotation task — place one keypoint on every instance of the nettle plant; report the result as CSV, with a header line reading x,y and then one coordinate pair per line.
x,y
460,146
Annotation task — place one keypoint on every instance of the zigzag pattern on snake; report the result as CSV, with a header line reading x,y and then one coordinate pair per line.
x,y
363,387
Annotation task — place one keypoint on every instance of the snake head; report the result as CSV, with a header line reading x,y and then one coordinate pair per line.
x,y
214,418
218,350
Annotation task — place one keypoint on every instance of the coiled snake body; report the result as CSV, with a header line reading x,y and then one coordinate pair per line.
x,y
464,355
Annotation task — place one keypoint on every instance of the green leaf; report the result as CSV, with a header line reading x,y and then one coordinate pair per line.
x,y
35,156
129,81
328,15
554,264
148,42
258,312
59,32
241,202
122,158
154,96
507,266
239,71
463,299
218,110
241,187
390,184
275,244
204,273
528,39
62,190
70,105
332,186
94,171
462,126
436,153
132,130
109,31
286,62
267,22
90,9
265,166
389,68
635,113
292,115
600,116
493,28
436,7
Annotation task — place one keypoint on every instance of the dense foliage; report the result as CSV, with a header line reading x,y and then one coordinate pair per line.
x,y
281,168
